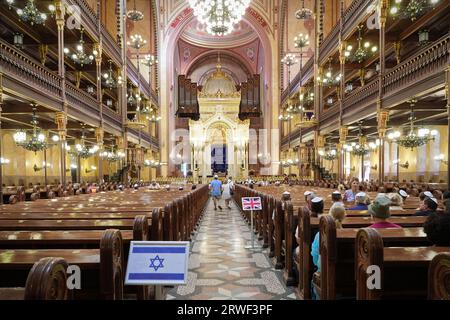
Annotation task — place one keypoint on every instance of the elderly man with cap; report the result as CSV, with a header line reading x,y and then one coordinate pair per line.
x,y
360,202
403,194
336,198
380,212
428,207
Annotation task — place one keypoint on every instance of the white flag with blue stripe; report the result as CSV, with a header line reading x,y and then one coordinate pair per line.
x,y
153,262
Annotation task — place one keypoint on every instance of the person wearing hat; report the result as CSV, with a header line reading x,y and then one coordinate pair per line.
x,y
422,197
428,207
396,202
360,202
380,212
216,191
336,198
316,207
403,194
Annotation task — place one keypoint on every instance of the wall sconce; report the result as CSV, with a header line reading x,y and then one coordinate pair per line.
x,y
441,158
18,40
375,167
4,161
109,102
90,89
424,37
401,165
352,169
44,165
93,168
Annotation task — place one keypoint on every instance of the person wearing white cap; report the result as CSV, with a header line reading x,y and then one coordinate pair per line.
x,y
360,201
403,194
309,195
316,206
336,197
428,207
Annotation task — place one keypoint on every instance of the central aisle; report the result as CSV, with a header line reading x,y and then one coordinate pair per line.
x,y
220,268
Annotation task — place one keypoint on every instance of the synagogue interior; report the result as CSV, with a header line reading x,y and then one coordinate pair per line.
x,y
289,146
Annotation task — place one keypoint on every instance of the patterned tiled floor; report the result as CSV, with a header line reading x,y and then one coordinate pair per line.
x,y
220,268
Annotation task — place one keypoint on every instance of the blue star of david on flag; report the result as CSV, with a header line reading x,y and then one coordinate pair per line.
x,y
156,263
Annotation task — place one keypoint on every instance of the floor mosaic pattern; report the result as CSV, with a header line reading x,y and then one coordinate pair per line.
x,y
220,268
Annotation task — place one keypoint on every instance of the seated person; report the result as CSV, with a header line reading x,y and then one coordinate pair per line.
x,y
428,207
396,202
446,201
360,202
349,195
309,195
154,186
338,214
379,210
316,207
403,194
423,196
336,198
437,229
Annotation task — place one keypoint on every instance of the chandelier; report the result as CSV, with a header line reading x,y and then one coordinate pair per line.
x,y
151,113
362,148
219,16
108,78
364,50
303,13
112,156
413,10
30,13
289,163
152,163
82,150
413,139
37,141
329,79
330,155
150,60
79,56
135,15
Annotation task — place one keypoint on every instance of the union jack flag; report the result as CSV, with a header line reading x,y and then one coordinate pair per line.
x,y
251,203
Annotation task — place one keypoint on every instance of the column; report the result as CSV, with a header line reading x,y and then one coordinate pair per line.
x,y
343,132
99,137
447,90
383,115
61,122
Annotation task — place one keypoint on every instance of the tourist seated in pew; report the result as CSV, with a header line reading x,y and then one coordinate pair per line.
x,y
350,194
423,196
316,207
338,214
437,229
380,212
309,195
428,207
360,202
336,198
396,202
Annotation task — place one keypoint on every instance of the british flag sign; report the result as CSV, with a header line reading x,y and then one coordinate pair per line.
x,y
251,203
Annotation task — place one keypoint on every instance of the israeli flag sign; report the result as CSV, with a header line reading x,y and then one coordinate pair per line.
x,y
158,263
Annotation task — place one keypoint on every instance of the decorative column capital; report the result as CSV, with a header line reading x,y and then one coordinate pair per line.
x,y
61,122
99,134
343,133
98,49
320,141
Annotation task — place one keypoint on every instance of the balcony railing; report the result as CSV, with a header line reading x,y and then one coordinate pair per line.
x,y
88,16
307,72
363,95
111,45
132,73
18,65
430,60
80,99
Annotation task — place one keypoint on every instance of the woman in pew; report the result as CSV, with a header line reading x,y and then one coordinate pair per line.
x,y
349,195
338,214
396,202
360,202
437,229
380,212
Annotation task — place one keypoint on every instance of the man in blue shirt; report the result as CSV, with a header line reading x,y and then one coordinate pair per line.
x,y
360,202
216,191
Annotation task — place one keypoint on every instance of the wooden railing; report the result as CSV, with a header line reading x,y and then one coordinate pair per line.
x,y
16,64
354,13
132,73
80,99
113,116
362,95
426,62
88,15
329,44
111,45
307,72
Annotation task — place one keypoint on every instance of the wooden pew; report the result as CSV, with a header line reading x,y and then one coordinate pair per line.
x,y
47,280
337,256
308,227
102,269
403,271
439,277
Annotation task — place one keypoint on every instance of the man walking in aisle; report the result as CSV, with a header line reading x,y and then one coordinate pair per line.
x,y
216,191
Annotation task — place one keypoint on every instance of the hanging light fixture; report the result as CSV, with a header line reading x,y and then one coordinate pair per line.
x,y
361,149
135,15
152,163
108,78
150,60
329,155
329,78
30,13
151,113
413,139
112,156
412,9
37,141
364,50
219,16
81,149
79,56
304,13
18,40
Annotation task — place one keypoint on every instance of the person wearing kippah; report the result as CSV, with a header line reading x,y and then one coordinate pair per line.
x,y
316,207
428,207
380,212
349,195
360,202
336,198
